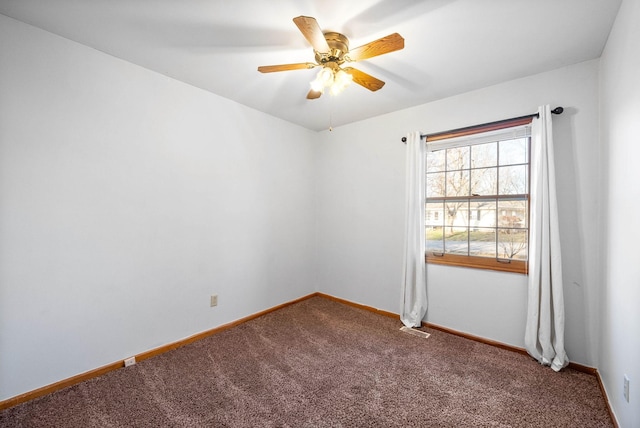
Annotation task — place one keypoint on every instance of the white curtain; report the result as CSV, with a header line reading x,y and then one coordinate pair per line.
x,y
544,335
414,302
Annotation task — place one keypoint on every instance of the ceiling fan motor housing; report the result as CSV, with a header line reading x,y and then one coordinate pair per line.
x,y
339,46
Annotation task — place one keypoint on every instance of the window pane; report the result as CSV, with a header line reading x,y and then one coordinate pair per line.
x,y
512,244
435,185
434,214
457,183
484,155
482,214
484,181
513,151
455,231
458,158
513,180
482,242
457,213
513,214
435,161
435,242
456,240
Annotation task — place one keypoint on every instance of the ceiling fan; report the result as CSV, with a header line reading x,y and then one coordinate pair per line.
x,y
331,53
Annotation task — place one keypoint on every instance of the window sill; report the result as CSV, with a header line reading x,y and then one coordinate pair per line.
x,y
514,266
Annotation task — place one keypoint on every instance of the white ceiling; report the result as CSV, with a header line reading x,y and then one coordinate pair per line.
x,y
451,46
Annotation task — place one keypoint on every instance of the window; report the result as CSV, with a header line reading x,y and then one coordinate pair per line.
x,y
477,199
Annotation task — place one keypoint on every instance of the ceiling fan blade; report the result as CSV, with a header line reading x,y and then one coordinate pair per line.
x,y
390,43
286,67
312,95
364,79
312,32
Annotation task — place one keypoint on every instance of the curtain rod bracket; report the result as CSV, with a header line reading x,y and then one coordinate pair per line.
x,y
557,110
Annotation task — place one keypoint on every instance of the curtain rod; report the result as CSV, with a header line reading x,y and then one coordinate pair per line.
x,y
557,110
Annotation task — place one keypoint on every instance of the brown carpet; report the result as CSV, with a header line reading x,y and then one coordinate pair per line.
x,y
319,363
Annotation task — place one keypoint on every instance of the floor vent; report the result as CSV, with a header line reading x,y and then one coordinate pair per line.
x,y
415,332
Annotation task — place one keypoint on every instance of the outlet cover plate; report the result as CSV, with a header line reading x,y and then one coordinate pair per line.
x,y
626,388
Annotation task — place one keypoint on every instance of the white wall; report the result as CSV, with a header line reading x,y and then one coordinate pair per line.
x,y
361,213
620,113
126,199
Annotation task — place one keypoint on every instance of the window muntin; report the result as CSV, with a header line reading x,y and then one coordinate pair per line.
x,y
477,201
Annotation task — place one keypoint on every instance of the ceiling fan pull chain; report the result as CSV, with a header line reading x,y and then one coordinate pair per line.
x,y
330,114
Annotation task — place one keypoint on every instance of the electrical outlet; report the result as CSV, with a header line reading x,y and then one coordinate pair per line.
x,y
626,388
214,300
129,361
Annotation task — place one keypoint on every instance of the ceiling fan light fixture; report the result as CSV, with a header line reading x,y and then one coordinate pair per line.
x,y
323,79
326,76
333,78
342,80
317,86
335,89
